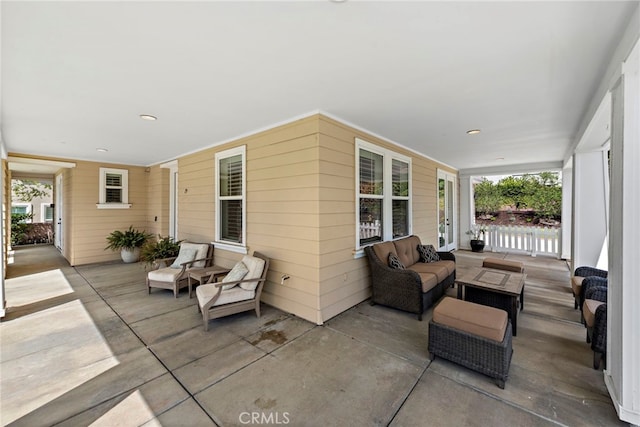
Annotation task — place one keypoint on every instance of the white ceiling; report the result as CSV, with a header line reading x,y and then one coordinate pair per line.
x,y
77,75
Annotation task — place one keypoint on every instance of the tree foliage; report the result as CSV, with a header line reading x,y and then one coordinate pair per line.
x,y
26,190
487,199
541,193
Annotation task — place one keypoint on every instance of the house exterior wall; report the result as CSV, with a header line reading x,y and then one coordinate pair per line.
x,y
85,227
343,274
282,206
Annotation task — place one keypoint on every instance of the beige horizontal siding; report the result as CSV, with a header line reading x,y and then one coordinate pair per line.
x,y
282,209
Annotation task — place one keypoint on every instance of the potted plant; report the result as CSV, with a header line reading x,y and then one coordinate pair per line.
x,y
155,250
128,243
477,238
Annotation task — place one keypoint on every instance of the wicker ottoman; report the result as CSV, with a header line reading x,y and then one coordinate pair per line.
x,y
503,264
472,335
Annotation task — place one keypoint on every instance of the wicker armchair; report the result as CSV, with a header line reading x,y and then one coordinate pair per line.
x,y
596,297
587,284
576,282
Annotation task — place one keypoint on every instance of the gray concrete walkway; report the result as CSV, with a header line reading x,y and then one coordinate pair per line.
x,y
88,346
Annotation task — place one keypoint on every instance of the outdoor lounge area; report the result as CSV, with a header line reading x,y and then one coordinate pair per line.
x,y
88,345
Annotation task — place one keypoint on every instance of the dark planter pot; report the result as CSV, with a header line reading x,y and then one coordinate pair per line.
x,y
477,245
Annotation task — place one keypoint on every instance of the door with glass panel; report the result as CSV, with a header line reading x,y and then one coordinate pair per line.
x,y
447,212
58,237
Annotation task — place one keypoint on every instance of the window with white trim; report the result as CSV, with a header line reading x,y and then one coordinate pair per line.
x,y
114,189
47,212
22,208
383,194
230,196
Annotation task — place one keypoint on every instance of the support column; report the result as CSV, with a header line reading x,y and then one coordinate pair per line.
x,y
622,375
567,215
590,180
467,208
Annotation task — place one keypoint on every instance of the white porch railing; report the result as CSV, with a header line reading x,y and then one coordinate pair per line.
x,y
370,229
531,240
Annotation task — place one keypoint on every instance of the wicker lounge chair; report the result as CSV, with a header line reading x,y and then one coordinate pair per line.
x,y
595,316
576,282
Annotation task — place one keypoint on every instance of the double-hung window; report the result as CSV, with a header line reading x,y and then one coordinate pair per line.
x,y
114,189
230,198
47,212
383,194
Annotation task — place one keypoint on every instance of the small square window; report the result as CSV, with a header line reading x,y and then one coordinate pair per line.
x,y
114,189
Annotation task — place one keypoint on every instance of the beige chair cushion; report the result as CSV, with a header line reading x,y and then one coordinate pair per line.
x,y
429,281
185,255
382,250
202,249
407,250
235,294
166,274
451,265
476,319
255,266
589,311
238,272
437,268
576,284
503,264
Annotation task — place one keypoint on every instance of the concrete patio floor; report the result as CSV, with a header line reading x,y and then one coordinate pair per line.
x,y
88,346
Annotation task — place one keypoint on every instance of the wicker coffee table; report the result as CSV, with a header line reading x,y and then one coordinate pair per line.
x,y
495,288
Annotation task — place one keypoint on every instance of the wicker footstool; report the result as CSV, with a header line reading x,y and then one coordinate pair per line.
x,y
472,335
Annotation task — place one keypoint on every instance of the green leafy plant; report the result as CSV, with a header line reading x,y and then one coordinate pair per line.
x,y
477,232
164,247
20,227
128,239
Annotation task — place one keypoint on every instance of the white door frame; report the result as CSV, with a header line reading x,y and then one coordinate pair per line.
x,y
173,197
58,215
447,217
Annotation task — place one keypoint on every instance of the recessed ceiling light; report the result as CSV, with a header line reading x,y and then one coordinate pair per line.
x,y
473,131
148,117
102,150
499,158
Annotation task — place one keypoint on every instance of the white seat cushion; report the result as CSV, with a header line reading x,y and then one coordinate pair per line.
x,y
185,255
255,266
235,294
166,274
202,249
237,273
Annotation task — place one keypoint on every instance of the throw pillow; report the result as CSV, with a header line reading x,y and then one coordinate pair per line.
x,y
394,262
185,255
237,273
428,253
